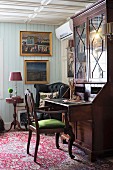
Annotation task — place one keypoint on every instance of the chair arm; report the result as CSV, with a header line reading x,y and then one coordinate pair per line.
x,y
52,111
43,107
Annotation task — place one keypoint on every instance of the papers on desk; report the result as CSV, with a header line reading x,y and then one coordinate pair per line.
x,y
73,101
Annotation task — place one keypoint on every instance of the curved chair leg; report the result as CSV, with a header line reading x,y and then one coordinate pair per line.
x,y
57,140
36,146
70,141
70,144
68,130
29,139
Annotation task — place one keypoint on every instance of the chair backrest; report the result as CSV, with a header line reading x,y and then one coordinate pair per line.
x,y
29,100
32,113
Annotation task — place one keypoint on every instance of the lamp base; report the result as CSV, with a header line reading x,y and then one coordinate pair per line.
x,y
16,89
10,95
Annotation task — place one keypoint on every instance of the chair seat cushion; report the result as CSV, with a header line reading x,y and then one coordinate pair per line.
x,y
50,124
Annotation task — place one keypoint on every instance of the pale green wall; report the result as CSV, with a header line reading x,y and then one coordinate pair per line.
x,y
10,33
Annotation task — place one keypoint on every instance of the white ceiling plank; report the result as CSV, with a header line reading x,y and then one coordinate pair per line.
x,y
54,13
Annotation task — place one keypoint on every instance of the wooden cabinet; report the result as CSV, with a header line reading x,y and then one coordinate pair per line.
x,y
93,66
90,48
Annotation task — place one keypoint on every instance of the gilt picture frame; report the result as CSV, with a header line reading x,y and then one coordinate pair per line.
x,y
36,71
35,43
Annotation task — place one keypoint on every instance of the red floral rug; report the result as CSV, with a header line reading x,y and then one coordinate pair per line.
x,y
13,155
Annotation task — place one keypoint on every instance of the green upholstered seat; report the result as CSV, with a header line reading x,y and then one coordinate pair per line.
x,y
50,123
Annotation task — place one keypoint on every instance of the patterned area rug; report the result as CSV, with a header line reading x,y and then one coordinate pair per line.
x,y
13,155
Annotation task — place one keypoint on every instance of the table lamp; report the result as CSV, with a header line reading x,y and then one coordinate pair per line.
x,y
15,76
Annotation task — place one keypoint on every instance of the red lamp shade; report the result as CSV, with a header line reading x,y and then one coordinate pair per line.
x,y
15,76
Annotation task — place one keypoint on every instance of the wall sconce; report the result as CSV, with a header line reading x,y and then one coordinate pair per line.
x,y
71,45
107,30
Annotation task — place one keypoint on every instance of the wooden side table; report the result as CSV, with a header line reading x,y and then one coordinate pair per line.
x,y
14,101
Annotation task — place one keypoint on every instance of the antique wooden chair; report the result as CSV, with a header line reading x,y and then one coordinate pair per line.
x,y
46,126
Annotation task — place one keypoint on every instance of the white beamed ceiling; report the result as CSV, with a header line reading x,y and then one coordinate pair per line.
x,y
56,12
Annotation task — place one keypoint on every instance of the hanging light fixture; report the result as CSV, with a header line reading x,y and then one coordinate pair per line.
x,y
107,30
45,2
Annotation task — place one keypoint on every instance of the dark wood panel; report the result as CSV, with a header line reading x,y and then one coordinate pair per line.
x,y
82,112
84,133
102,113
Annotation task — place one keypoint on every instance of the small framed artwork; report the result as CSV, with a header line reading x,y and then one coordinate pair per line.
x,y
36,71
35,43
70,64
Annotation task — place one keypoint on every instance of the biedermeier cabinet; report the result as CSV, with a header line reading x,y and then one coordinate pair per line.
x,y
94,69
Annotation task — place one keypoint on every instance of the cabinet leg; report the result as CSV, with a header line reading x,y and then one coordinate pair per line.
x,y
92,157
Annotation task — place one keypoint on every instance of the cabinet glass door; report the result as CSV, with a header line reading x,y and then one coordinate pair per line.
x,y
80,51
97,54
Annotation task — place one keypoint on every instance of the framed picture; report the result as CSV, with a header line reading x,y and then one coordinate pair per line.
x,y
35,43
36,71
70,64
